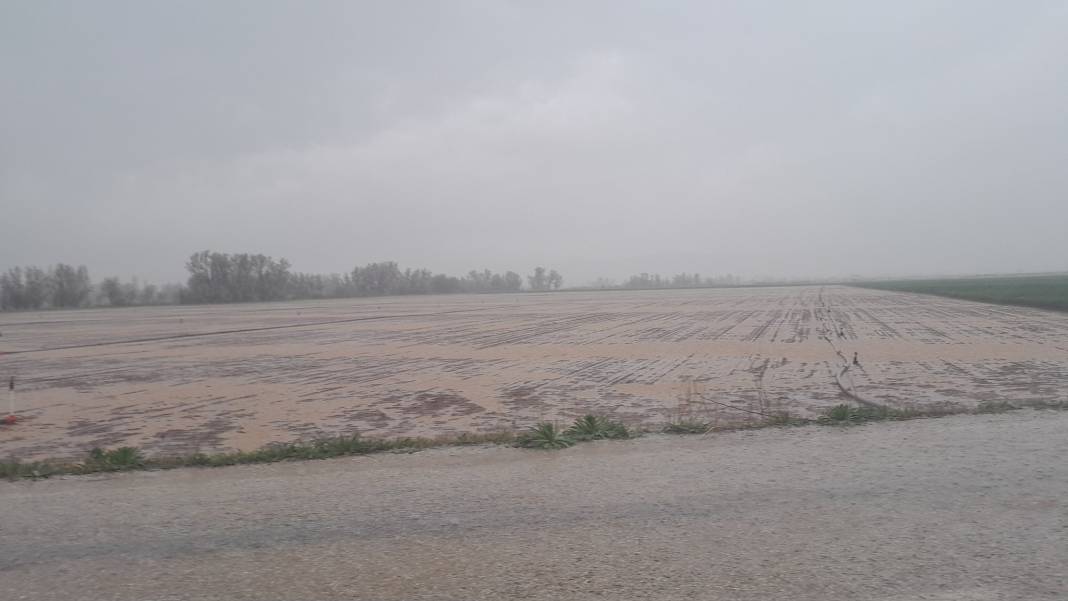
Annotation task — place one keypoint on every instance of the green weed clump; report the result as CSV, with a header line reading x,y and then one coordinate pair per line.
x,y
845,413
115,460
545,435
595,427
839,413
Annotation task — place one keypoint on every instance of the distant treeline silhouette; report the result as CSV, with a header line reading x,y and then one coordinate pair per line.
x,y
646,281
242,277
32,287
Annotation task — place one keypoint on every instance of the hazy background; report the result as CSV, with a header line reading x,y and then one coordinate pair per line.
x,y
600,138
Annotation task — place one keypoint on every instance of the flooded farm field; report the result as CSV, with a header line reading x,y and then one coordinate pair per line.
x,y
210,378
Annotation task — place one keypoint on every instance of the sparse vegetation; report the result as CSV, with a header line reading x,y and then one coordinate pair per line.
x,y
995,407
545,435
846,413
687,426
783,418
596,427
131,458
122,458
839,413
859,413
15,469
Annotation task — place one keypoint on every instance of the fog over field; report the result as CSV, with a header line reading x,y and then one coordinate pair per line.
x,y
602,138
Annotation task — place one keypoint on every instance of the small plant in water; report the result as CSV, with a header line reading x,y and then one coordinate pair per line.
x,y
545,435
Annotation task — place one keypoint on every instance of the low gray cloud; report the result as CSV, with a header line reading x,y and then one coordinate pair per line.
x,y
603,138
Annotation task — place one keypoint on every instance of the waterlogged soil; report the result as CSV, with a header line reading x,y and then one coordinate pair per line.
x,y
966,508
214,378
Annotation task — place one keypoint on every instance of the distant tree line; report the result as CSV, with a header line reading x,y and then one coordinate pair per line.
x,y
242,277
239,278
64,286
116,293
221,278
33,288
541,280
645,281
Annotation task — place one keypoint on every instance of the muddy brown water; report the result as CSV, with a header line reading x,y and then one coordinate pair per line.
x,y
213,378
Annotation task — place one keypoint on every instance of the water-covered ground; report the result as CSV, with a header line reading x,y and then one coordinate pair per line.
x,y
183,379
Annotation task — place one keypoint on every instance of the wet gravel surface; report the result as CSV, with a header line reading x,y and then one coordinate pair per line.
x,y
962,508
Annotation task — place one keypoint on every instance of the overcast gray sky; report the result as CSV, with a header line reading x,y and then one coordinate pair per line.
x,y
601,138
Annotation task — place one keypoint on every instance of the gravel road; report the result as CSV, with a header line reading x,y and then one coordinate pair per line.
x,y
964,508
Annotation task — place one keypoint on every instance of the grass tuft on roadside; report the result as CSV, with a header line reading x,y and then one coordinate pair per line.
x,y
846,413
131,458
544,435
597,427
115,460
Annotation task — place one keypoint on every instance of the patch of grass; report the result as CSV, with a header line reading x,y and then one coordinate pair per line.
x,y
131,458
845,413
544,435
838,413
15,469
116,460
687,426
324,448
596,427
1041,291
